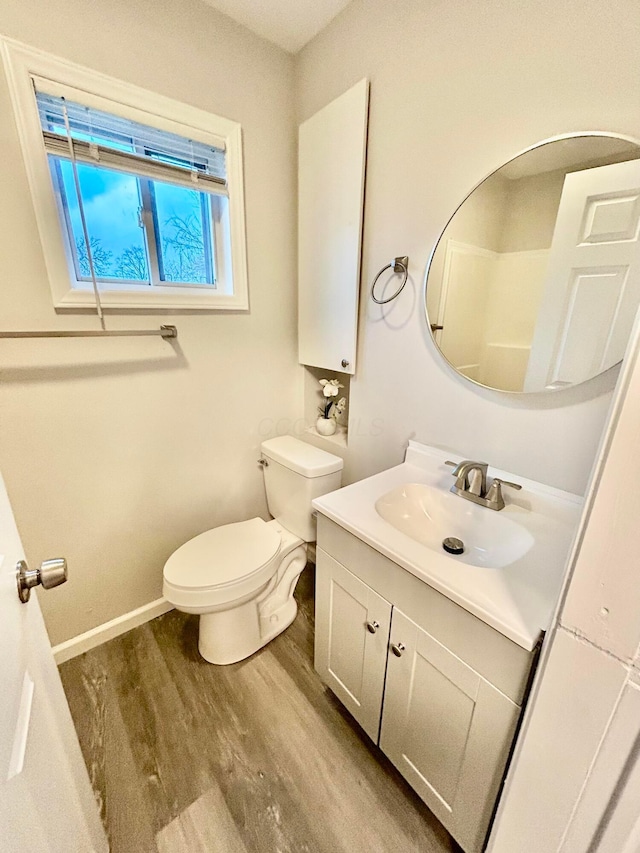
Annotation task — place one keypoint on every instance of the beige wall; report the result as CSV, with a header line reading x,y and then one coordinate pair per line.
x,y
531,208
115,452
456,90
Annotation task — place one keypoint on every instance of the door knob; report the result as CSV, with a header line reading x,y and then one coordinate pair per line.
x,y
51,573
398,649
372,627
344,362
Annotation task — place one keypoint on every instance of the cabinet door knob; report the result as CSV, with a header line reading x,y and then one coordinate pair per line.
x,y
372,627
397,649
344,362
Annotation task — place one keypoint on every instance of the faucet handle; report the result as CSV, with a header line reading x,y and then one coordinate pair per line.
x,y
494,494
507,483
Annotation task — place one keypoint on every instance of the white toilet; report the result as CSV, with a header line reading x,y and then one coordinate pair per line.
x,y
240,577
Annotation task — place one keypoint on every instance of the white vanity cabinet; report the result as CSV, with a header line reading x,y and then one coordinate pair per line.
x,y
438,689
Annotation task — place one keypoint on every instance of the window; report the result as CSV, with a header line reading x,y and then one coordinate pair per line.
x,y
142,230
155,186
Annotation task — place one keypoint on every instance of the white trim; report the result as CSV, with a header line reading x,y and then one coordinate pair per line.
x,y
108,630
21,64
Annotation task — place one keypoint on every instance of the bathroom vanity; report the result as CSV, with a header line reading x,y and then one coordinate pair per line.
x,y
431,652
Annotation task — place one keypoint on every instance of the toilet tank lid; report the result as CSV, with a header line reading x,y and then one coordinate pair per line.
x,y
301,457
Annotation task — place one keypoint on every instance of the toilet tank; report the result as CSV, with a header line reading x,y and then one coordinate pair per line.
x,y
294,474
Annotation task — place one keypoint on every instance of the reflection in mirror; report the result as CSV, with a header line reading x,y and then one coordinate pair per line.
x,y
535,281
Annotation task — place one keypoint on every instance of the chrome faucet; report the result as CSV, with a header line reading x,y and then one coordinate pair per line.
x,y
471,484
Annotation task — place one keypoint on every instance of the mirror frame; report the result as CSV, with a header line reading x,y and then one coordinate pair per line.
x,y
547,391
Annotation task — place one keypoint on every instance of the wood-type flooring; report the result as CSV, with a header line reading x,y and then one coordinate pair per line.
x,y
256,757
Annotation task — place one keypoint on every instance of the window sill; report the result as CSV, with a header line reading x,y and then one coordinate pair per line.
x,y
165,298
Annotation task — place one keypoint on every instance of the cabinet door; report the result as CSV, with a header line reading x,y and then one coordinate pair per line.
x,y
331,164
349,656
446,729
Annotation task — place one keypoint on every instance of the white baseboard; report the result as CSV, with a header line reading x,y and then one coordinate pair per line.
x,y
107,631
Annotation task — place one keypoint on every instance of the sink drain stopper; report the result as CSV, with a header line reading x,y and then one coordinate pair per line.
x,y
452,545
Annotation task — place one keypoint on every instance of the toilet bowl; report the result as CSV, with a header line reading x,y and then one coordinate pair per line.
x,y
240,578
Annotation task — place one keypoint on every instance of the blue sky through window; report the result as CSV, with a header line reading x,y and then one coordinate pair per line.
x,y
184,225
113,204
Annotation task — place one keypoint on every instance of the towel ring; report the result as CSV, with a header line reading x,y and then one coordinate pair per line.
x,y
400,265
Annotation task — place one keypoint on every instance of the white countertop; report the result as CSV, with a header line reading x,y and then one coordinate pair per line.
x,y
518,600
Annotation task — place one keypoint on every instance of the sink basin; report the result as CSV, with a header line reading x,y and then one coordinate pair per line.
x,y
428,515
510,572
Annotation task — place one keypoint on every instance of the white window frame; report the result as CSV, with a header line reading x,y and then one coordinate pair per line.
x,y
23,64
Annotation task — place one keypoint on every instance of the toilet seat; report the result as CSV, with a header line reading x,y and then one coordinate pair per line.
x,y
228,563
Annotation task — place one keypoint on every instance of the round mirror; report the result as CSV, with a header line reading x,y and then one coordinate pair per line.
x,y
535,281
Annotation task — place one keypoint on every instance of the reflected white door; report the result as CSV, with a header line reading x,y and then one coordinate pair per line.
x,y
592,286
46,802
462,314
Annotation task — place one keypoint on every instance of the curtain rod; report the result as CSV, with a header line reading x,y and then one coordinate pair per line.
x,y
166,332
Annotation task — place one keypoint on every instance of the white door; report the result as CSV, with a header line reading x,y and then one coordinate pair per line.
x,y
462,313
46,802
352,629
592,287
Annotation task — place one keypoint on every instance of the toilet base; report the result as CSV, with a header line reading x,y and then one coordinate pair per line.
x,y
229,636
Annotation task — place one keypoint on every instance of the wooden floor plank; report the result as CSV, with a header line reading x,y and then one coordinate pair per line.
x,y
104,738
241,760
205,827
174,769
256,757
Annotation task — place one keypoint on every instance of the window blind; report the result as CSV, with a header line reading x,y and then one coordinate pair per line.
x,y
102,138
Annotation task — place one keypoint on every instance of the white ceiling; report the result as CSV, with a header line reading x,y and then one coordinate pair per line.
x,y
578,152
288,23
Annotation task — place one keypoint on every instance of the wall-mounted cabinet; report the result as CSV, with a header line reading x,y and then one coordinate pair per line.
x,y
331,172
437,689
